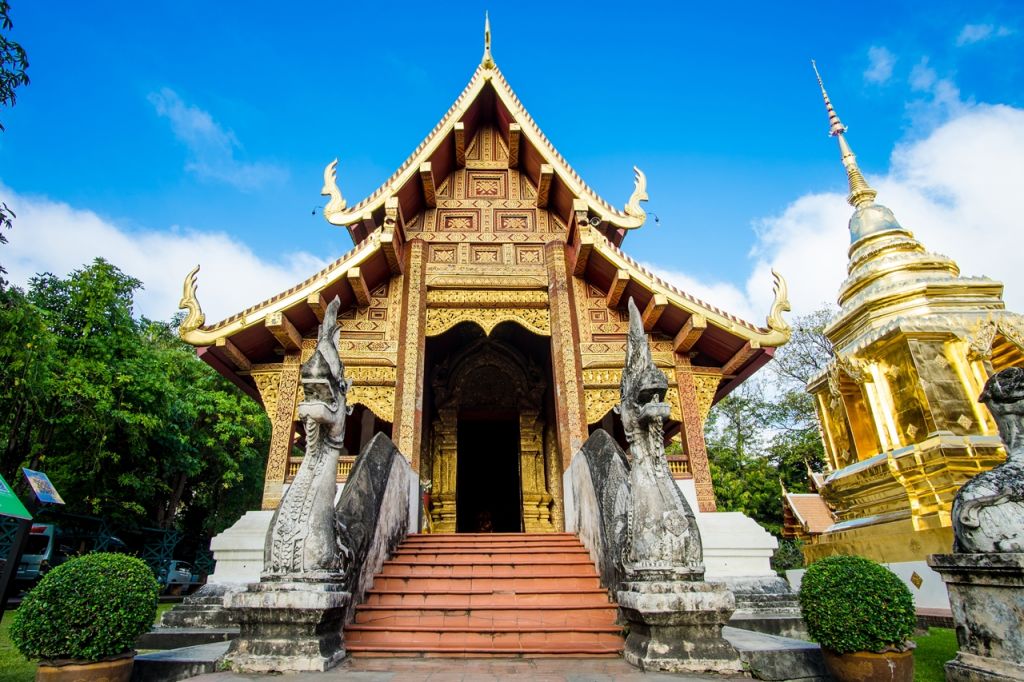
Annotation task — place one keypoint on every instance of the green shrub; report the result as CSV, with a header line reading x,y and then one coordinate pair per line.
x,y
88,608
854,604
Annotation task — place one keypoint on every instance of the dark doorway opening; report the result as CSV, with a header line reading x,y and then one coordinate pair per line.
x,y
487,476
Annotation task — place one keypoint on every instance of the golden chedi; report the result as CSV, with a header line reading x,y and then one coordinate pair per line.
x,y
914,343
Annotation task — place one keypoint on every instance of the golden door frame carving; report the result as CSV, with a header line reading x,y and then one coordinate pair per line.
x,y
454,390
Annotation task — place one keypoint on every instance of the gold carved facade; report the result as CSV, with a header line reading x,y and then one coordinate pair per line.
x,y
900,420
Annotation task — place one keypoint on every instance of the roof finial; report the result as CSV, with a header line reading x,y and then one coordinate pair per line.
x,y
488,61
861,194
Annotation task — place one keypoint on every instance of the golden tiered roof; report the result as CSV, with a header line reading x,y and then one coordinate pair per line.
x,y
378,224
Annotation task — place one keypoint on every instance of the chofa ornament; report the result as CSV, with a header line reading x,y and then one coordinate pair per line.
x,y
306,538
988,511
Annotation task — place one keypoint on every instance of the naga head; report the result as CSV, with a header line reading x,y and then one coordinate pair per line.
x,y
324,386
643,387
1004,397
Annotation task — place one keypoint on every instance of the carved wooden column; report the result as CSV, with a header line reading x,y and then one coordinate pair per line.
x,y
565,358
536,500
282,423
408,427
693,429
445,467
554,471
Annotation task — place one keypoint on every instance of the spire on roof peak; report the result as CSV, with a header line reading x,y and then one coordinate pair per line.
x,y
487,62
861,194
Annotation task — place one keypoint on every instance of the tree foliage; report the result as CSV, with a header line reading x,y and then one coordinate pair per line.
x,y
13,61
765,434
120,413
13,68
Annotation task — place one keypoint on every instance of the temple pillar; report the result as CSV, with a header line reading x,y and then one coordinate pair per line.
x,y
282,422
692,433
408,425
554,471
565,359
536,499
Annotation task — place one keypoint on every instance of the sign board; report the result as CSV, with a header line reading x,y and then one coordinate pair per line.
x,y
10,505
41,486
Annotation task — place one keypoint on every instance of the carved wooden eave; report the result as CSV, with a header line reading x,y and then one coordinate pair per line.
x,y
710,336
261,333
488,100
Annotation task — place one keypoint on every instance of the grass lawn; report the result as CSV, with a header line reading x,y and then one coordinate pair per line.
x,y
932,652
13,666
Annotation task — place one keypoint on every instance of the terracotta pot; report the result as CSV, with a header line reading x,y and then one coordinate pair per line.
x,y
865,666
115,670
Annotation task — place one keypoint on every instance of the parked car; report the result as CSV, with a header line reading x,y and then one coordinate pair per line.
x,y
37,557
176,576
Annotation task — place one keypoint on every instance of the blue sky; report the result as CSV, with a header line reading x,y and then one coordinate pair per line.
x,y
204,127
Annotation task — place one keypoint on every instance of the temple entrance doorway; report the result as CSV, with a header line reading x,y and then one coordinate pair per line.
x,y
490,444
487,480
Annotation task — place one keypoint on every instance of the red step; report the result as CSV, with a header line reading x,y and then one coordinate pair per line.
x,y
487,594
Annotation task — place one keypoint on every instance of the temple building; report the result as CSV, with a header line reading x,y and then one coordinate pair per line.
x,y
914,343
483,323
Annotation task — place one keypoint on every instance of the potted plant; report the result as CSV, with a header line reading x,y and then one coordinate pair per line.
x,y
82,619
862,615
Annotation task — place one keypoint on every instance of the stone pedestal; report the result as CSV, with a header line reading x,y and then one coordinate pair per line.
x,y
676,626
986,594
288,627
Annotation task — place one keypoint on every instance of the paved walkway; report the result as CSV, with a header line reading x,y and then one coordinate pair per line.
x,y
474,669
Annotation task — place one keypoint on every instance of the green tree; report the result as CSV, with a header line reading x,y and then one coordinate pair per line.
x,y
128,422
765,433
13,73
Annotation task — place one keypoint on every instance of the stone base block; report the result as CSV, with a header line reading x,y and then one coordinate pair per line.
x,y
288,627
238,551
969,668
677,626
986,594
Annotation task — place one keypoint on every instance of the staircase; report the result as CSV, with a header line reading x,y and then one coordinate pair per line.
x,y
487,594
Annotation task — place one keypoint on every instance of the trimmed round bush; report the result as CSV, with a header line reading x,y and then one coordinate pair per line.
x,y
88,608
850,603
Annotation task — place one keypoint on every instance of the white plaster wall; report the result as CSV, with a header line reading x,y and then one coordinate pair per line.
x,y
734,544
930,595
238,551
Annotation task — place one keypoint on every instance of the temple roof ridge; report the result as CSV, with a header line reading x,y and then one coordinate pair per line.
x,y
632,216
772,335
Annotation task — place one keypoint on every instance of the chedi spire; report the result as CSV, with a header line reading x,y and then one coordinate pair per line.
x,y
861,194
869,218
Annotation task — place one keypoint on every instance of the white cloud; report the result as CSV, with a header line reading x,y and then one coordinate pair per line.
x,y
939,99
51,236
958,190
724,295
880,63
211,148
976,33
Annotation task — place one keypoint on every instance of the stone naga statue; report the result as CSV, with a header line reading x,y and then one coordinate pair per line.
x,y
663,542
988,511
305,538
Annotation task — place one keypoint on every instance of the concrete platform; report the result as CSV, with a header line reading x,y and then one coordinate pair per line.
x,y
176,638
780,659
178,664
768,657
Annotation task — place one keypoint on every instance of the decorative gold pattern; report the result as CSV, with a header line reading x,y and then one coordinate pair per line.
x,y
440,320
409,398
565,360
267,384
282,429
